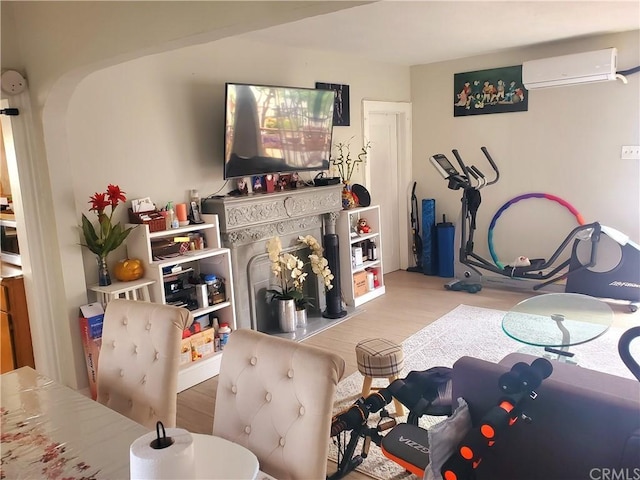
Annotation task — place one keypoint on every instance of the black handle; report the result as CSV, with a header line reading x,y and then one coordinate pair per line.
x,y
625,354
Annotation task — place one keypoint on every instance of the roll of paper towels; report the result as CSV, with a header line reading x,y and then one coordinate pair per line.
x,y
174,461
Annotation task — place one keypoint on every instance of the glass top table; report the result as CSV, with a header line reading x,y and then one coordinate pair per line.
x,y
557,320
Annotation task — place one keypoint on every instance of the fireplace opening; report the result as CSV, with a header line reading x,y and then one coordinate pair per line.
x,y
264,315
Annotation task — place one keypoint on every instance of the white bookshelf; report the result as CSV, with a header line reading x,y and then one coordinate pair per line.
x,y
213,259
349,238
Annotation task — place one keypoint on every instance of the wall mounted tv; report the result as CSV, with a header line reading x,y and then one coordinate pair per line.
x,y
271,129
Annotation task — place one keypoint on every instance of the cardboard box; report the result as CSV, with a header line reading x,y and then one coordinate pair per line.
x,y
359,283
185,350
196,346
204,342
91,319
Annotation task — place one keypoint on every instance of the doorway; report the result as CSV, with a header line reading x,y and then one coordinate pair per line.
x,y
388,173
17,347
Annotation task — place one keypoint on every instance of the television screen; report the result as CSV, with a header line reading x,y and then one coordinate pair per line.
x,y
271,129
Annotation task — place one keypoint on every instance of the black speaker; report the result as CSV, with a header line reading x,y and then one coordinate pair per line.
x,y
333,296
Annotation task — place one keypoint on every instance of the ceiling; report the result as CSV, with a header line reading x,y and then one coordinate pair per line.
x,y
421,32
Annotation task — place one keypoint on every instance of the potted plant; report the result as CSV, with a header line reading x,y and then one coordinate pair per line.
x,y
346,166
290,273
108,235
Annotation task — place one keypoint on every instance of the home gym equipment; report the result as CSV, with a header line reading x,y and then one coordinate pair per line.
x,y
603,261
425,393
429,247
517,199
445,233
518,386
415,233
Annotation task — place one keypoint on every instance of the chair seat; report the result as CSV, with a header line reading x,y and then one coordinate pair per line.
x,y
379,358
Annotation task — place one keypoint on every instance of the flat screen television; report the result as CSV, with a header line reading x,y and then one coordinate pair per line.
x,y
271,129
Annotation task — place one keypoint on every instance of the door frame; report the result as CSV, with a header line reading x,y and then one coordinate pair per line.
x,y
36,255
402,111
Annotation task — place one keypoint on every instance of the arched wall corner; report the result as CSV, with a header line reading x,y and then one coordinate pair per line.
x,y
63,287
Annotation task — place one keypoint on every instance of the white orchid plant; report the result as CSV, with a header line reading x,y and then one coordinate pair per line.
x,y
290,273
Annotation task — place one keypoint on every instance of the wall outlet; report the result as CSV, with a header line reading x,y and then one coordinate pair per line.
x,y
630,152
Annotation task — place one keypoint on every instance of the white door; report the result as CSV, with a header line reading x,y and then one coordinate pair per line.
x,y
387,125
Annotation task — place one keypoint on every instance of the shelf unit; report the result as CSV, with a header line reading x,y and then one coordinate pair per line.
x,y
213,259
346,226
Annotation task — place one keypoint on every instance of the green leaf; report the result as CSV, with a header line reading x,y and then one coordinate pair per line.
x,y
111,237
90,236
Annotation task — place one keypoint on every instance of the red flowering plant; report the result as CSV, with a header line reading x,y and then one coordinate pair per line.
x,y
108,237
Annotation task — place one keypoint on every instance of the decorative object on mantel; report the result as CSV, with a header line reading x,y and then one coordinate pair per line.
x,y
346,166
364,198
301,318
341,116
109,236
289,270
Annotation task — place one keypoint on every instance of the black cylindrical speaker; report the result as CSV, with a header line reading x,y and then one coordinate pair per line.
x,y
333,296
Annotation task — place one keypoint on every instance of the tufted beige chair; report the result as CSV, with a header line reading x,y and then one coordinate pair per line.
x,y
275,397
139,358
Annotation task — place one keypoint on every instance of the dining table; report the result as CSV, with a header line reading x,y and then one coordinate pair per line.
x,y
50,431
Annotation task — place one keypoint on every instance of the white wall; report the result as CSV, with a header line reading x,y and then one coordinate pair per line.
x,y
567,144
154,126
56,44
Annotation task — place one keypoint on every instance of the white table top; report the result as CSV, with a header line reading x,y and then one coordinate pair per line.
x,y
51,431
121,287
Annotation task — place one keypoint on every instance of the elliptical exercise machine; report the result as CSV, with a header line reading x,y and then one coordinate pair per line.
x,y
590,271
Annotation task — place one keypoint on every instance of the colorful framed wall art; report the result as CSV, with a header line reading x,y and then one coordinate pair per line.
x,y
496,90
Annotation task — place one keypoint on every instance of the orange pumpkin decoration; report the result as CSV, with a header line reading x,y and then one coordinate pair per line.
x,y
128,270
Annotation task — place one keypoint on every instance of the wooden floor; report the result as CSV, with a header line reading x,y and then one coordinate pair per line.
x,y
411,302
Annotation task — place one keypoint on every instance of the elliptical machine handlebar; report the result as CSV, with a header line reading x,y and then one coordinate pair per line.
x,y
475,172
463,179
493,165
463,167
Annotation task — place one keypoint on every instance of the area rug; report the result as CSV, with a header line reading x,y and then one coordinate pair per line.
x,y
465,331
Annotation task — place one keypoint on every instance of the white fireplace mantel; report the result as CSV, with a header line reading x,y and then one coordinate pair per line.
x,y
247,222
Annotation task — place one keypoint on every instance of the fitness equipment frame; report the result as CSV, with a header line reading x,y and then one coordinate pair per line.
x,y
407,444
620,282
426,392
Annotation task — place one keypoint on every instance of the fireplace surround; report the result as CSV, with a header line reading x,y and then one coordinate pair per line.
x,y
247,222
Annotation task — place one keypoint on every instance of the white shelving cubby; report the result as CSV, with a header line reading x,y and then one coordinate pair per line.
x,y
175,269
349,238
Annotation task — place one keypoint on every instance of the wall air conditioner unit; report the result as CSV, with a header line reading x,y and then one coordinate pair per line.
x,y
587,67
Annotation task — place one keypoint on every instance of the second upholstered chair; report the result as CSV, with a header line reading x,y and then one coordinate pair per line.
x,y
139,359
275,397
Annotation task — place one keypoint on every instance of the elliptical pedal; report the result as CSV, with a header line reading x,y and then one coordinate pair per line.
x,y
459,286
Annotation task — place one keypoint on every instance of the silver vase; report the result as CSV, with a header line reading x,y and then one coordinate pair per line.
x,y
301,318
287,315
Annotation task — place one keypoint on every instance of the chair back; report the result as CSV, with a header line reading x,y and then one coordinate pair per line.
x,y
275,397
139,359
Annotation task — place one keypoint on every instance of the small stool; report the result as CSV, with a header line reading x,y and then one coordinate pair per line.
x,y
379,358
133,290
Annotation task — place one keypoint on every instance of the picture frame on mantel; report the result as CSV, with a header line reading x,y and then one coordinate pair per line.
x,y
341,113
496,90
